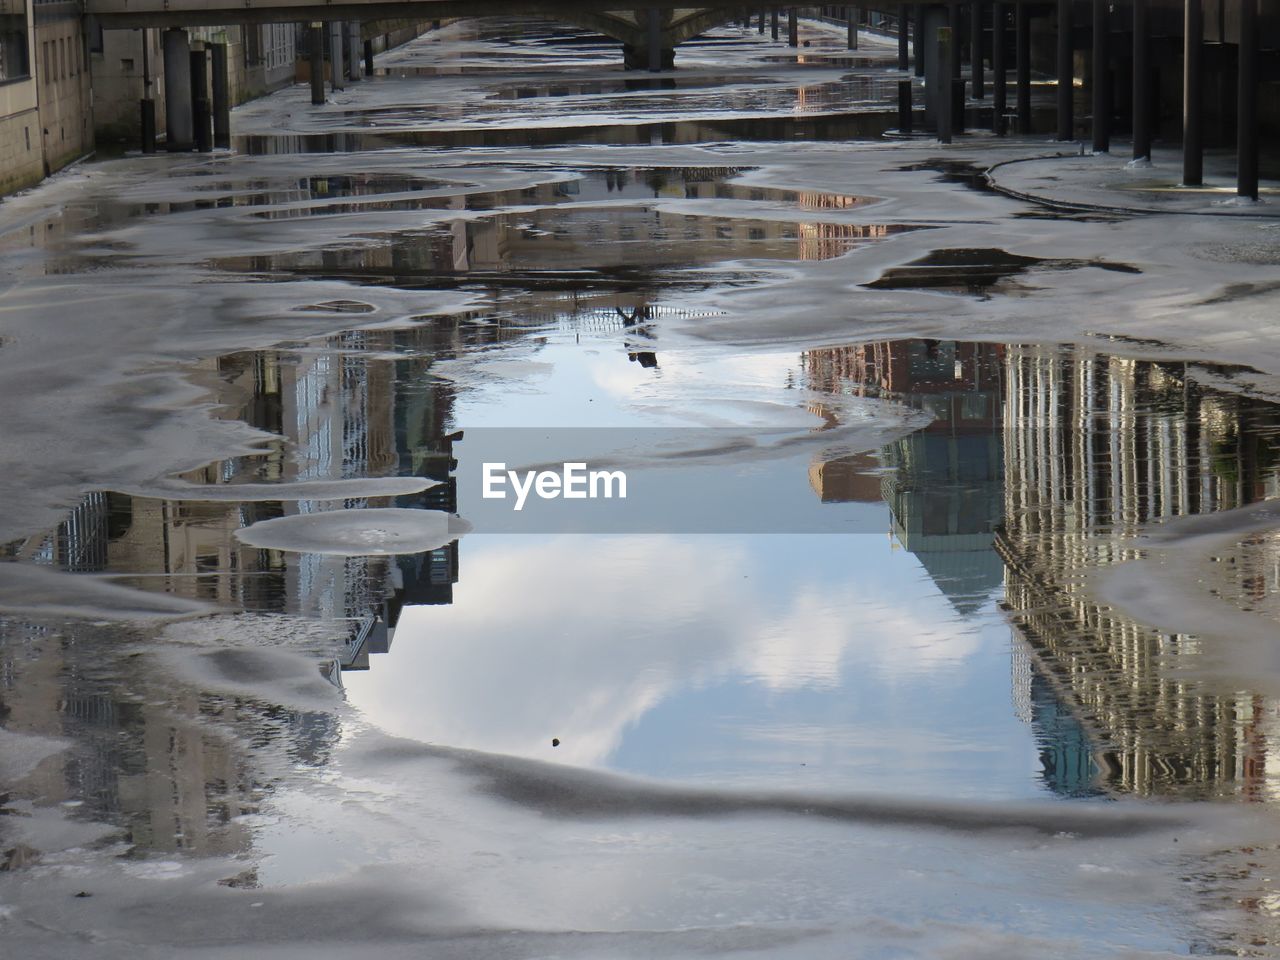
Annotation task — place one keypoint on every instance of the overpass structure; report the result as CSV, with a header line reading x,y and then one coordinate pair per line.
x,y
1141,60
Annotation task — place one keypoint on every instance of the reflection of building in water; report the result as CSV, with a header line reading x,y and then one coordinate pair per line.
x,y
945,489
1095,448
167,764
565,218
159,760
350,409
1050,456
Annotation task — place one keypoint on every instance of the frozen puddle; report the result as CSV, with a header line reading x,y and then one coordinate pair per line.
x,y
356,533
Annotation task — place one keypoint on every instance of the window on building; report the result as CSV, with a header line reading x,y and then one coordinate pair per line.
x,y
13,40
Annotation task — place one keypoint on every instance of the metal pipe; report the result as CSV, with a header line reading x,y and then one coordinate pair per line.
x,y
1192,95
1247,103
1101,76
851,22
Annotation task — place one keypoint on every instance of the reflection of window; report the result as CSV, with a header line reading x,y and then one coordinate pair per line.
x,y
13,40
975,406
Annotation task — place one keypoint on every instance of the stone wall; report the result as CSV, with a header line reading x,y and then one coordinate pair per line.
x,y
21,159
62,76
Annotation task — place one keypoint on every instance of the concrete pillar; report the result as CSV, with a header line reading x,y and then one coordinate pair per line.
x,y
221,96
957,74
999,70
201,113
1247,103
353,50
1141,82
177,91
335,56
793,27
147,107
937,70
1101,76
1193,95
1066,72
1022,43
851,23
975,53
315,43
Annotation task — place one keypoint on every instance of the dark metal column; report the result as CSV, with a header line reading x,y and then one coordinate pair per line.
x,y
975,53
1066,73
904,64
775,23
315,42
793,27
918,40
1022,41
1193,95
148,104
1141,82
957,76
655,41
368,58
999,70
947,59
221,96
1247,103
763,14
1101,76
200,112
851,18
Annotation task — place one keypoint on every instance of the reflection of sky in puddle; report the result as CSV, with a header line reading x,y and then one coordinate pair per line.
x,y
774,659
